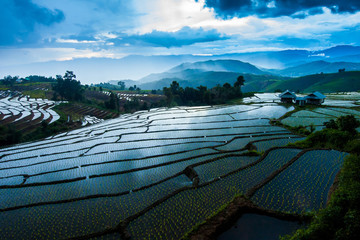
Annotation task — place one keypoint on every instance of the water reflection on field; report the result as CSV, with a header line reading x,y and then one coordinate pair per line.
x,y
259,227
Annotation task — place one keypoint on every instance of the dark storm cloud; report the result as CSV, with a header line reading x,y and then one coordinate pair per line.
x,y
276,8
182,37
18,19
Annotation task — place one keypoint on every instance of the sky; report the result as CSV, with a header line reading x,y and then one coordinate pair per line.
x,y
46,30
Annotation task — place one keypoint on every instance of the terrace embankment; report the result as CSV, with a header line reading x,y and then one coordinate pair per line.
x,y
240,205
225,219
333,187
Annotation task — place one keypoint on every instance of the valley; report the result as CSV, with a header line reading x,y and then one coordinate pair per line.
x,y
122,177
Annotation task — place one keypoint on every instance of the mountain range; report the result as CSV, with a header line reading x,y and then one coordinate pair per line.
x,y
317,67
96,70
213,72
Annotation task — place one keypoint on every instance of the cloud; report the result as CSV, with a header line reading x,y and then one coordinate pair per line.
x,y
184,36
19,18
275,8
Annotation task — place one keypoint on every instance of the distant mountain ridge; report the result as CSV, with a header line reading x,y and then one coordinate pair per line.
x,y
217,72
207,73
220,66
96,70
339,51
332,82
317,67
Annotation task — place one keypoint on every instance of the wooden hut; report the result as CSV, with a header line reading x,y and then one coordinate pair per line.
x,y
315,98
287,97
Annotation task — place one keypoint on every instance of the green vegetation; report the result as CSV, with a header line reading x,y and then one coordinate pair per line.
x,y
35,93
37,79
346,123
113,102
339,134
9,80
9,135
176,95
334,82
68,88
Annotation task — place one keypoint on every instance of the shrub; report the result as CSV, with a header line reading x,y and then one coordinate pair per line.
x,y
327,138
346,123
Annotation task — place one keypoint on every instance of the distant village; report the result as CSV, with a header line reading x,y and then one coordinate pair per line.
x,y
315,98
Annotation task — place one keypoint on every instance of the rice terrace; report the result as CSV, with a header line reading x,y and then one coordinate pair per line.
x,y
156,174
180,120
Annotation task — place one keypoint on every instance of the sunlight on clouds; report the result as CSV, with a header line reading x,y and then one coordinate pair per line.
x,y
73,41
95,29
71,53
172,15
29,55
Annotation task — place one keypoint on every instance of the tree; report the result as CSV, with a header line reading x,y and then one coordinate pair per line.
x,y
9,80
68,88
175,87
113,102
346,123
227,85
237,85
169,96
239,81
331,124
122,85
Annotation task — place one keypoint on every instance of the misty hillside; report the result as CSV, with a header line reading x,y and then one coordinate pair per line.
x,y
334,82
220,66
191,71
213,72
211,79
317,67
209,74
339,51
96,70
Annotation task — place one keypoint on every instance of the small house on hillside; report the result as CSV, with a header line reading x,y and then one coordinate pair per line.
x,y
315,98
287,97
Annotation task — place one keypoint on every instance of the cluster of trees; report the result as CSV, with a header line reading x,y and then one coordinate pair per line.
x,y
109,86
344,123
9,135
113,102
120,87
68,88
176,95
134,88
9,80
338,134
36,78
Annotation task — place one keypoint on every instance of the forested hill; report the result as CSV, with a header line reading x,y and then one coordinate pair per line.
x,y
334,82
317,67
220,66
